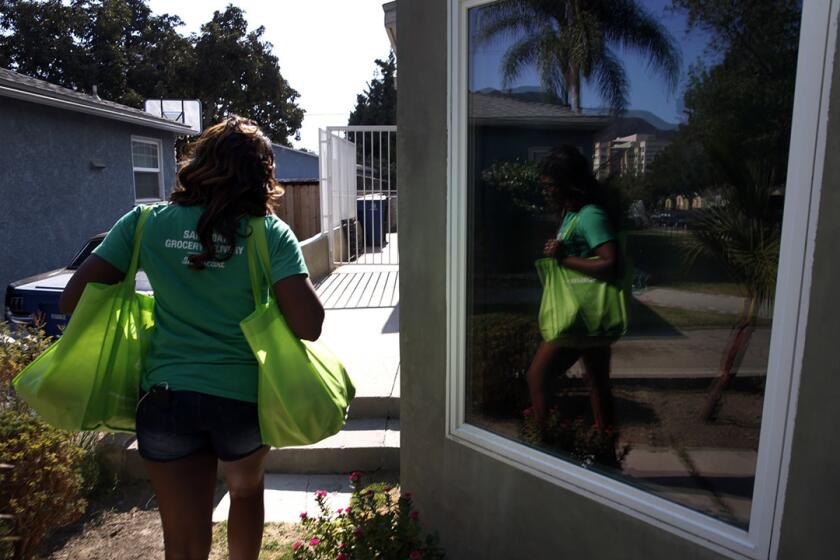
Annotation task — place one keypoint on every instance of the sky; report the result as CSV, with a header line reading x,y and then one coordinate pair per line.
x,y
326,49
648,91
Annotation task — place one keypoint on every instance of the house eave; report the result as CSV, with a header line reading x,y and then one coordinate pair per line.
x,y
79,106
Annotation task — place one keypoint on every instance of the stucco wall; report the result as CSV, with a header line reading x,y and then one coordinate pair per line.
x,y
51,199
483,508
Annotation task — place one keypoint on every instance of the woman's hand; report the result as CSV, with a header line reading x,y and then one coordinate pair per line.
x,y
552,248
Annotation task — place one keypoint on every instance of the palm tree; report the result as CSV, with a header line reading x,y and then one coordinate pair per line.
x,y
572,40
744,235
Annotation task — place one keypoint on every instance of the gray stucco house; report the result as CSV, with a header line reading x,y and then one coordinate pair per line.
x,y
491,494
72,164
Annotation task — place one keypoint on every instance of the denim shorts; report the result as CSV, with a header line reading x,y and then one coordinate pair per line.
x,y
172,425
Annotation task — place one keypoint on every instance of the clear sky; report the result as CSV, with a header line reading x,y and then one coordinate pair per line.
x,y
647,89
326,48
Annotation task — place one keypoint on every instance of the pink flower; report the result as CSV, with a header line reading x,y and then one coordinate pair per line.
x,y
297,545
314,542
414,514
355,476
321,494
303,515
342,546
415,555
347,511
339,510
527,412
407,495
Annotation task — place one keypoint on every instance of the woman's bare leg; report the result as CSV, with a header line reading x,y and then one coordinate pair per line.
x,y
549,356
245,482
597,364
184,491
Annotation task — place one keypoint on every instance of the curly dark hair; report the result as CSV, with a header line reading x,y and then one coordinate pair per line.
x,y
229,172
572,183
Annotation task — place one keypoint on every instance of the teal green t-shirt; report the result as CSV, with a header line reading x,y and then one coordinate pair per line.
x,y
197,344
581,232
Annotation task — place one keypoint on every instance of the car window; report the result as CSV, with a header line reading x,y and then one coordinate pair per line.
x,y
85,252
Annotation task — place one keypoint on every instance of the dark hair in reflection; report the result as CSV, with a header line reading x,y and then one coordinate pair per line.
x,y
575,185
228,171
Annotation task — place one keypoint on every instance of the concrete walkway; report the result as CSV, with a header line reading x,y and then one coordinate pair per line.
x,y
699,301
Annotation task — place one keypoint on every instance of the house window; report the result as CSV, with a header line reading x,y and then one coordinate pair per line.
x,y
669,401
146,164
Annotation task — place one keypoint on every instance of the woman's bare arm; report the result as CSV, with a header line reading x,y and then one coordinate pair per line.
x,y
93,269
603,267
300,306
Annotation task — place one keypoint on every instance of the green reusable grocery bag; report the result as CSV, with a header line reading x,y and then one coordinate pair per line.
x,y
577,308
89,378
304,391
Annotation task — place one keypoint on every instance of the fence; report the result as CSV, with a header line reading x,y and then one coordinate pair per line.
x,y
300,207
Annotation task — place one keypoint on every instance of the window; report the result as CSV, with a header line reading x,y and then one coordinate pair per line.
x,y
662,170
148,175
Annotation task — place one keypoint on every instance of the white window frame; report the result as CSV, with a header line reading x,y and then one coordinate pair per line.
x,y
159,170
804,180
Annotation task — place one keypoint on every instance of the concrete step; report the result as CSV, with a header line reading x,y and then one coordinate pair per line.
x,y
366,445
374,407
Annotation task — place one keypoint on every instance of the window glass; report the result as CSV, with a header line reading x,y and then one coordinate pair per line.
x,y
626,181
145,155
146,185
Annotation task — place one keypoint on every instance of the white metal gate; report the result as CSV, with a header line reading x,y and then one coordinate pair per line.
x,y
359,193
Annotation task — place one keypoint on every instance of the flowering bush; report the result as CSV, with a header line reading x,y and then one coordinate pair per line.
x,y
375,525
587,444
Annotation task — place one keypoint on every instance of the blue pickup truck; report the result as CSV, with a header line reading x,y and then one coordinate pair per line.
x,y
37,296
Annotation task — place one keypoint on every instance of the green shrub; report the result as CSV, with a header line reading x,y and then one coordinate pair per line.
x,y
375,525
503,345
45,488
17,350
52,470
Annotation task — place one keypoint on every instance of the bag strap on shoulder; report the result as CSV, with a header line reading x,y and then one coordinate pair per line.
x,y
135,252
259,261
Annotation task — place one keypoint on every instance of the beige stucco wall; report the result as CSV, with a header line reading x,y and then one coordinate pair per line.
x,y
483,508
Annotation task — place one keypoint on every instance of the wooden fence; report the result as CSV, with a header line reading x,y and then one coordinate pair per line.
x,y
300,207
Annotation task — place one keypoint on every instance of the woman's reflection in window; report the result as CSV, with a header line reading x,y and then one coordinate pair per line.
x,y
586,242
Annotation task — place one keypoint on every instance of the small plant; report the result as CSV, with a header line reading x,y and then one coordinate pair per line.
x,y
587,444
377,524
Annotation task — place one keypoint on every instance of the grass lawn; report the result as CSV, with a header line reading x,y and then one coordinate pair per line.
x,y
662,255
276,544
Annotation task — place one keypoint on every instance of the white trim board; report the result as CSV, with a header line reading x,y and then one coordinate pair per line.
x,y
816,54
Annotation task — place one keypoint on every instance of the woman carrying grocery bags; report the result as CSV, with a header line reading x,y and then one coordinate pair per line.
x,y
583,309
221,353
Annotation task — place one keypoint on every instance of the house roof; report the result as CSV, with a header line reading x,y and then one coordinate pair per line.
x,y
500,110
295,165
26,88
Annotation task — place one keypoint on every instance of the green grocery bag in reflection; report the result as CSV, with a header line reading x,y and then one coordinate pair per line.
x,y
577,308
304,391
89,378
